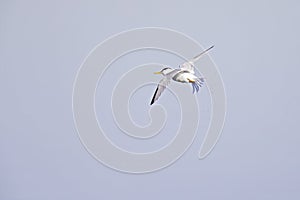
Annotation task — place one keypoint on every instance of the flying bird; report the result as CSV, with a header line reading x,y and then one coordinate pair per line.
x,y
185,74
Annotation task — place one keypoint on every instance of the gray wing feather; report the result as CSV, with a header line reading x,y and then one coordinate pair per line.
x,y
189,65
160,88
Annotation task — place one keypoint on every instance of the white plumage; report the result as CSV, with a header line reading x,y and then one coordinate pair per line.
x,y
185,74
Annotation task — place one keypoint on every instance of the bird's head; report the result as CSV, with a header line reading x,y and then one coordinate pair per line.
x,y
164,71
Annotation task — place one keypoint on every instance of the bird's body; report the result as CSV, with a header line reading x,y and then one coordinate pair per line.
x,y
184,77
184,74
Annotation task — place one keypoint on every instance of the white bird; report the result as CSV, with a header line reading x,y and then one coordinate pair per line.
x,y
185,74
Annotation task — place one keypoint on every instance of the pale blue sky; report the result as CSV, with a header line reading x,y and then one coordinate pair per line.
x,y
256,49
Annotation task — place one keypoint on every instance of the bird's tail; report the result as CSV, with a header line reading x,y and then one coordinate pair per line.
x,y
197,84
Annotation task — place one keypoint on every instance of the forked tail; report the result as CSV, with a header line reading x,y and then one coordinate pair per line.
x,y
197,84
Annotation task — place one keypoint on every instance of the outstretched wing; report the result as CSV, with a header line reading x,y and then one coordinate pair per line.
x,y
160,88
189,65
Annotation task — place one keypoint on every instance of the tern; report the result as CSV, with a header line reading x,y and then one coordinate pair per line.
x,y
185,74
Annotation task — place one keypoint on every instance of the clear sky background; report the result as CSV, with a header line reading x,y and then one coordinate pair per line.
x,y
43,43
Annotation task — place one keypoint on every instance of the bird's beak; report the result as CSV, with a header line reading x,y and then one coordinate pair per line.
x,y
157,72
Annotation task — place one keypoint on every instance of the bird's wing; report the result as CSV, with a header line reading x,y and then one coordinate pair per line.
x,y
189,65
160,88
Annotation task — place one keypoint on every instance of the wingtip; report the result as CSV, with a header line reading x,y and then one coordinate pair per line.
x,y
212,46
151,102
